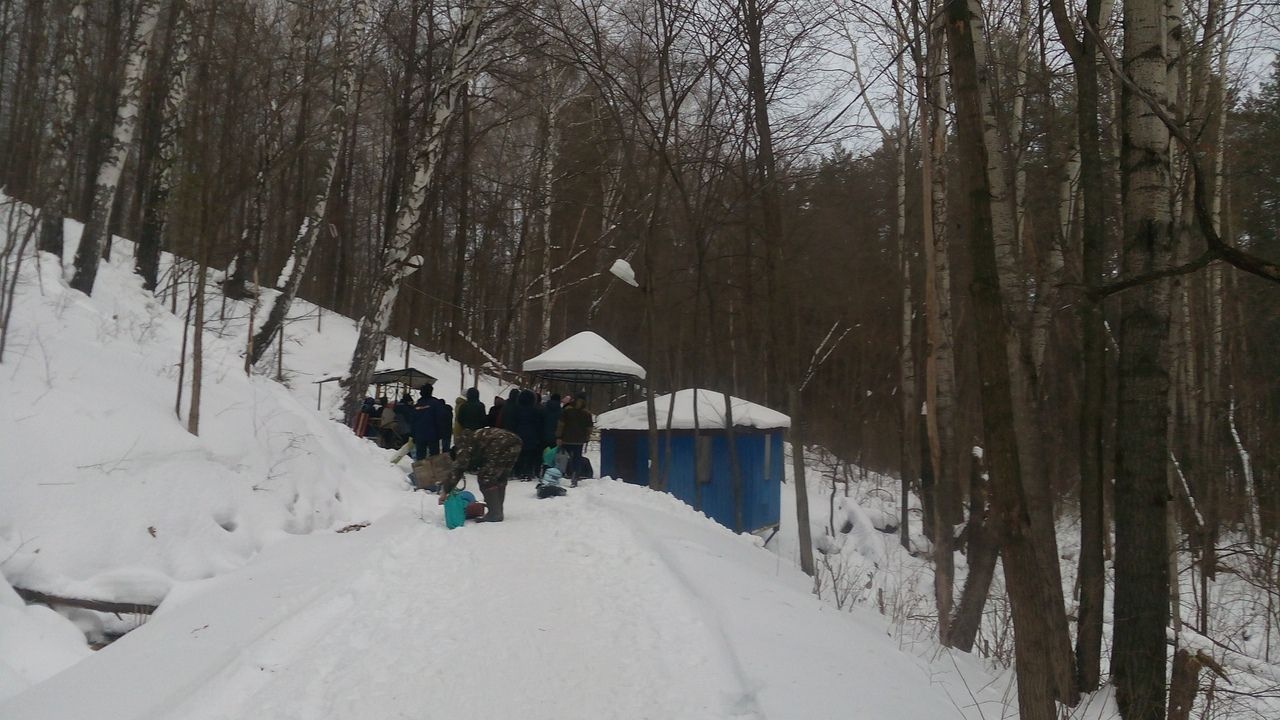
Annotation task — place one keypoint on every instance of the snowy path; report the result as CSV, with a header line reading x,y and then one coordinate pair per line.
x,y
613,602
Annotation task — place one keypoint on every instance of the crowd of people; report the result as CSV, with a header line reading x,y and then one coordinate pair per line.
x,y
521,436
434,426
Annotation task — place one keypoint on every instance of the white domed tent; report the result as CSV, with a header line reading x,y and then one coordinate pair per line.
x,y
585,358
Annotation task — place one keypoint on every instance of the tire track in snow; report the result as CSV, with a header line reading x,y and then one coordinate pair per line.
x,y
745,704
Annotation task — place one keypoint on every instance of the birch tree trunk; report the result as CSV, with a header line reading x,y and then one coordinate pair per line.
x,y
89,253
465,62
1043,650
1141,605
1014,299
942,471
55,174
304,241
908,407
953,457
546,168
908,445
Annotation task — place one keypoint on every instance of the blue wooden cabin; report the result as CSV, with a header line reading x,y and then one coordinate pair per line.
x,y
700,469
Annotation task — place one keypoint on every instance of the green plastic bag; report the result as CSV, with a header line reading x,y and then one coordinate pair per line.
x,y
455,509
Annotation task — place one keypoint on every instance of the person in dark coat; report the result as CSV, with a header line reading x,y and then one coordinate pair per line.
x,y
528,423
494,418
505,420
490,454
444,424
403,425
426,432
551,416
472,416
364,423
573,433
387,425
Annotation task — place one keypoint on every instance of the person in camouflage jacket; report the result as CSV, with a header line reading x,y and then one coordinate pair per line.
x,y
490,453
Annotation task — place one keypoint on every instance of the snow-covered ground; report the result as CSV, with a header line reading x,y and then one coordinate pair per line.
x,y
611,602
862,565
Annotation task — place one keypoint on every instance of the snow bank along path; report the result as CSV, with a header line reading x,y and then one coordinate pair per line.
x,y
613,602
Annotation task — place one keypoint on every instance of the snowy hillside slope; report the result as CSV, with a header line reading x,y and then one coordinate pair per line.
x,y
103,492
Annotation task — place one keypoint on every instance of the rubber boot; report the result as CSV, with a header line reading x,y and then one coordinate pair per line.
x,y
487,495
494,498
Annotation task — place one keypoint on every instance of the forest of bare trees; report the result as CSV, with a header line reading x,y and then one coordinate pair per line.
x,y
1049,232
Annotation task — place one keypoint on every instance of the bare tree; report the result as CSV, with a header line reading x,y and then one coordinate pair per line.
x,y
89,253
305,240
56,171
466,60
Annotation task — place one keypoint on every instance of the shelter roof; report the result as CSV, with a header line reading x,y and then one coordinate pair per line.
x,y
585,358
709,412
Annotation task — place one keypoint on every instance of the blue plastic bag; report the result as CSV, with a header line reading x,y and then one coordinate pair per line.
x,y
455,509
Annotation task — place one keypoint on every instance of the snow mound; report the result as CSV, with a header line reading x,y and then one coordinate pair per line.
x,y
106,494
35,643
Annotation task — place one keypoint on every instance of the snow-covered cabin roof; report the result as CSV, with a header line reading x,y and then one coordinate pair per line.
x,y
585,358
710,413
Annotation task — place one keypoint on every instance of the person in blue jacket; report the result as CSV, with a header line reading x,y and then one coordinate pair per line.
x,y
426,428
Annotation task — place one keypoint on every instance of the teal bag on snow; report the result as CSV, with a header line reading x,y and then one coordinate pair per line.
x,y
455,509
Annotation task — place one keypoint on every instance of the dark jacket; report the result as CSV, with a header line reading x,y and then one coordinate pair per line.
x,y
506,418
490,453
443,415
404,418
471,416
551,419
494,418
575,424
527,420
425,426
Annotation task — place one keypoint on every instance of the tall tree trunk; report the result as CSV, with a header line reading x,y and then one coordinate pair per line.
x,y
172,109
782,336
983,552
197,345
89,253
942,469
1141,607
908,406
1039,636
463,232
1022,381
24,114
546,168
1083,51
56,173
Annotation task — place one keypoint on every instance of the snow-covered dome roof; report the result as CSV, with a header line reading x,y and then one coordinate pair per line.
x,y
710,413
585,357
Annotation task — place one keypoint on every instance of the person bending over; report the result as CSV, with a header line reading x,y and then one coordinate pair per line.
x,y
490,453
